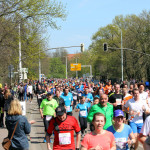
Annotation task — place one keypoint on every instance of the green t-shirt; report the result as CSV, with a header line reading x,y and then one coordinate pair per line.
x,y
107,111
49,106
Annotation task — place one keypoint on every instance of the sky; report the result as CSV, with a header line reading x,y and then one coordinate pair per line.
x,y
85,17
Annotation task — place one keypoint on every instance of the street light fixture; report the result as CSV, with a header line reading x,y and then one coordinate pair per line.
x,y
121,52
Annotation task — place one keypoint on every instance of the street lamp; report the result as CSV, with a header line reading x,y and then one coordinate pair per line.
x,y
121,53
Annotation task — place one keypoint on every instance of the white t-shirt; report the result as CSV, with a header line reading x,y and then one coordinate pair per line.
x,y
29,89
136,106
144,96
146,127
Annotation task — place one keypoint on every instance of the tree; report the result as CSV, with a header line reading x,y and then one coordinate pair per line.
x,y
57,69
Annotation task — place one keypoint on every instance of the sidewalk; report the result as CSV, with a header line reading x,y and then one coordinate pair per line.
x,y
37,130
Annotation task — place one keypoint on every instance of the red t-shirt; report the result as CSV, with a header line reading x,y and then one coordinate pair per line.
x,y
103,141
65,138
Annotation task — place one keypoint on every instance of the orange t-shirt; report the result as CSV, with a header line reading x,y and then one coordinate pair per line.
x,y
126,98
103,141
107,89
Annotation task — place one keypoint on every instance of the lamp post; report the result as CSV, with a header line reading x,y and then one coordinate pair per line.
x,y
121,53
20,61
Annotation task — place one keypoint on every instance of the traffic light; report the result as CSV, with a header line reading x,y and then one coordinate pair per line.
x,y
82,47
105,47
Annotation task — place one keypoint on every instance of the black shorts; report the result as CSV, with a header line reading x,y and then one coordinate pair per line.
x,y
148,140
46,123
30,95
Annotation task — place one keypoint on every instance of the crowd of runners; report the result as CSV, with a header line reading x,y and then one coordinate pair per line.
x,y
117,115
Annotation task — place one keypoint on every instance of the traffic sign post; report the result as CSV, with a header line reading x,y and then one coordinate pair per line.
x,y
75,67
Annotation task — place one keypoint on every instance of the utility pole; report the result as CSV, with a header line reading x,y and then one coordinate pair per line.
x,y
20,62
66,69
39,68
76,71
121,56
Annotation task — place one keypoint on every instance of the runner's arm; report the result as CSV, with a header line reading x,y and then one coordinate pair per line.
x,y
41,112
113,146
78,139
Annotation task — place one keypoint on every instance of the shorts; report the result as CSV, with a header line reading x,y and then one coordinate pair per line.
x,y
30,95
46,123
148,140
136,127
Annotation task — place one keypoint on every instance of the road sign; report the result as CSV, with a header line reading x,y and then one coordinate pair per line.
x,y
25,70
75,67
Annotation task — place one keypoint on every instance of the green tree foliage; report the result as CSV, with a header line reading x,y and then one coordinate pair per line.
x,y
136,34
57,69
33,16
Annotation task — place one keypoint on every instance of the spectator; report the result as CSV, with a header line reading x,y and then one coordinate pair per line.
x,y
19,141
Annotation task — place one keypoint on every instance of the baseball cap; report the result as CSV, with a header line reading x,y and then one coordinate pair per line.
x,y
118,112
49,94
60,110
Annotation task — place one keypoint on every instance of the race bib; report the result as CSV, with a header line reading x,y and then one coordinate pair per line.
x,y
83,113
121,143
67,108
86,100
75,97
39,97
118,101
64,138
48,117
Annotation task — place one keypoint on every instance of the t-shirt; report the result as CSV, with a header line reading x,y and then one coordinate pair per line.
x,y
68,100
144,96
104,141
65,138
83,109
88,96
29,89
116,98
136,106
49,106
146,127
107,111
121,138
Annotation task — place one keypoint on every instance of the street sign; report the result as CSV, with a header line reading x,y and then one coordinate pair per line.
x,y
75,67
25,70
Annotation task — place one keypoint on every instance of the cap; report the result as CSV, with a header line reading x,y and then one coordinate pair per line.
x,y
60,111
118,112
49,94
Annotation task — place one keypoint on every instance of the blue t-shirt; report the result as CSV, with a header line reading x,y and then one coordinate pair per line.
x,y
68,99
83,109
89,95
121,138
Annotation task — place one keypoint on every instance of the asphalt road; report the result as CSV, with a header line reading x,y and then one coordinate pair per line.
x,y
36,136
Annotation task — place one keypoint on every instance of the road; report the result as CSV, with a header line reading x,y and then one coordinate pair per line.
x,y
37,130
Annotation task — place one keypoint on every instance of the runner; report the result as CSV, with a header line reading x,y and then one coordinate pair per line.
x,y
116,98
63,126
136,108
99,139
48,105
68,98
103,107
59,99
123,133
145,132
82,108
